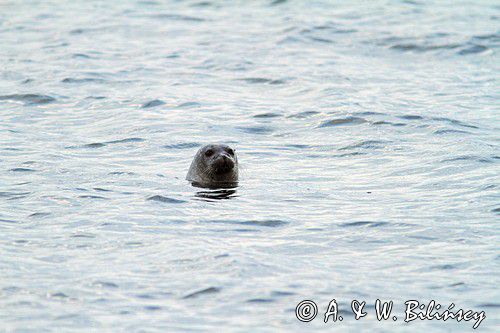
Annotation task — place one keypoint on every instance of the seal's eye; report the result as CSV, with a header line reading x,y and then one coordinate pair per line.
x,y
209,153
230,151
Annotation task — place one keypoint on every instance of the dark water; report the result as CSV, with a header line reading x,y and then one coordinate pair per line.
x,y
367,134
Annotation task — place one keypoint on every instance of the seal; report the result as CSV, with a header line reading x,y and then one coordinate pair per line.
x,y
214,165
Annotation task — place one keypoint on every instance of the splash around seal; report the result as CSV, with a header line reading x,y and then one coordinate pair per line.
x,y
214,166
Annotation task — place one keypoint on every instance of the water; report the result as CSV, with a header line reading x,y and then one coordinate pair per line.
x,y
367,134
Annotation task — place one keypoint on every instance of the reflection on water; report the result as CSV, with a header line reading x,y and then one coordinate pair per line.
x,y
367,136
221,194
218,191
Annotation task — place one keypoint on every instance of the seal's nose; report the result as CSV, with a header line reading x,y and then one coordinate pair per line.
x,y
228,162
224,163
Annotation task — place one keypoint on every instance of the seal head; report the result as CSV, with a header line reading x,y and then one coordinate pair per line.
x,y
214,165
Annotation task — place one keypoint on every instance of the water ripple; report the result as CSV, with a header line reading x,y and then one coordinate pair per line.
x,y
256,129
182,145
29,98
162,198
423,48
261,80
256,223
203,292
82,80
177,17
267,115
103,144
369,144
450,131
153,103
473,50
371,224
22,170
303,115
343,121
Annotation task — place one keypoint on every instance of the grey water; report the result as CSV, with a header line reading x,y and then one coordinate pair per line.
x,y
367,134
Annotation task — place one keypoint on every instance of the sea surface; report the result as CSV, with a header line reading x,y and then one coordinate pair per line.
x,y
368,138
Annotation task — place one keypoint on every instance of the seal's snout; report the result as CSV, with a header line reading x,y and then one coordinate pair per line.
x,y
223,163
